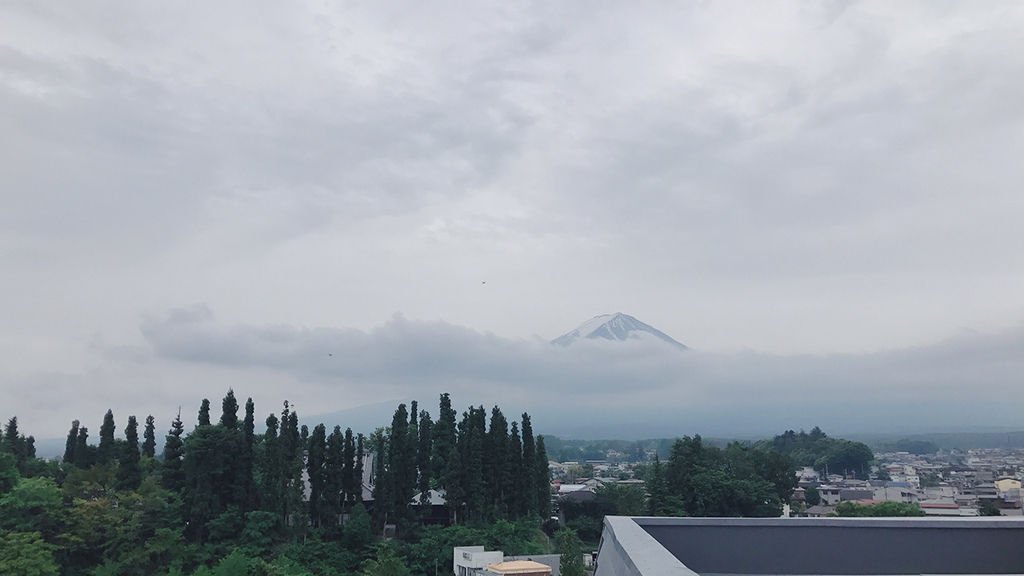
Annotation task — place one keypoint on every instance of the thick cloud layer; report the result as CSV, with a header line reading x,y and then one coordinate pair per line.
x,y
826,180
626,383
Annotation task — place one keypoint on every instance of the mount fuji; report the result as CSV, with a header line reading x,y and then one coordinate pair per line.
x,y
616,326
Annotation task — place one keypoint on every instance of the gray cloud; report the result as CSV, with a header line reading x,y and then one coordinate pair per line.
x,y
913,388
817,181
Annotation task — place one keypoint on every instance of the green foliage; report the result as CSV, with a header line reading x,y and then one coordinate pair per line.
x,y
812,496
105,453
8,472
26,554
33,505
571,550
837,456
737,481
225,500
623,500
988,508
853,509
386,563
229,411
69,445
234,564
129,473
149,438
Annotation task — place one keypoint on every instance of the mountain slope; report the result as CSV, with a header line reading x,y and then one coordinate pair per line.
x,y
616,326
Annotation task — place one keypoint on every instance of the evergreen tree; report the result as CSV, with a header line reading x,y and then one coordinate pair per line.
x,y
291,452
229,410
349,483
514,501
380,475
529,469
543,475
411,448
657,493
335,482
129,474
149,438
84,456
204,413
105,453
316,472
470,466
398,487
12,438
248,458
358,472
443,442
72,441
496,461
30,447
172,474
272,470
423,454
571,550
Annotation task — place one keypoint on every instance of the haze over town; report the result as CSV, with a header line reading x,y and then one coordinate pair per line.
x,y
352,205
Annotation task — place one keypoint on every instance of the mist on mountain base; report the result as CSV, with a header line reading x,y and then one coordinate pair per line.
x,y
618,389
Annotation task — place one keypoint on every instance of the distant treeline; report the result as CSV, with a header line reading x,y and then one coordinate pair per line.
x,y
825,454
273,500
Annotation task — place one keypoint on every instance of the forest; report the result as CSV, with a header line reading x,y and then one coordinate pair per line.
x,y
226,499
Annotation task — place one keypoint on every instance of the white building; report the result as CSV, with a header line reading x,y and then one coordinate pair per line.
x,y
473,560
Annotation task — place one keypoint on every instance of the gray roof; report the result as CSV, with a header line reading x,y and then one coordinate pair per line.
x,y
851,546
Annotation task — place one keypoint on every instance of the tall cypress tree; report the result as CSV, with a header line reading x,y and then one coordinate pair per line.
x,y
272,470
291,451
12,437
399,488
72,441
172,475
149,436
204,413
470,469
358,472
411,449
229,410
514,497
248,458
334,481
83,453
381,476
656,489
105,453
496,461
129,474
349,482
443,442
316,472
543,475
423,454
529,470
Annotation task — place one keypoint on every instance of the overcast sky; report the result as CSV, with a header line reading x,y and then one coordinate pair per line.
x,y
822,194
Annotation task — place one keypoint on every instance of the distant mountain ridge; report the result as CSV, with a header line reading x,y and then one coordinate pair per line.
x,y
617,326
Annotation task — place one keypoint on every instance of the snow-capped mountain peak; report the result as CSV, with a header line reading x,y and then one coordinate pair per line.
x,y
616,326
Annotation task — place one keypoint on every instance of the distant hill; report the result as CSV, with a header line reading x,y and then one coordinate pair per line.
x,y
944,440
616,326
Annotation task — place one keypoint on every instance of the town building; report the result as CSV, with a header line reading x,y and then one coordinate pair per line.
x,y
852,546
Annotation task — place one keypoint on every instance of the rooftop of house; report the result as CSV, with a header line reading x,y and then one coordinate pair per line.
x,y
519,567
828,546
